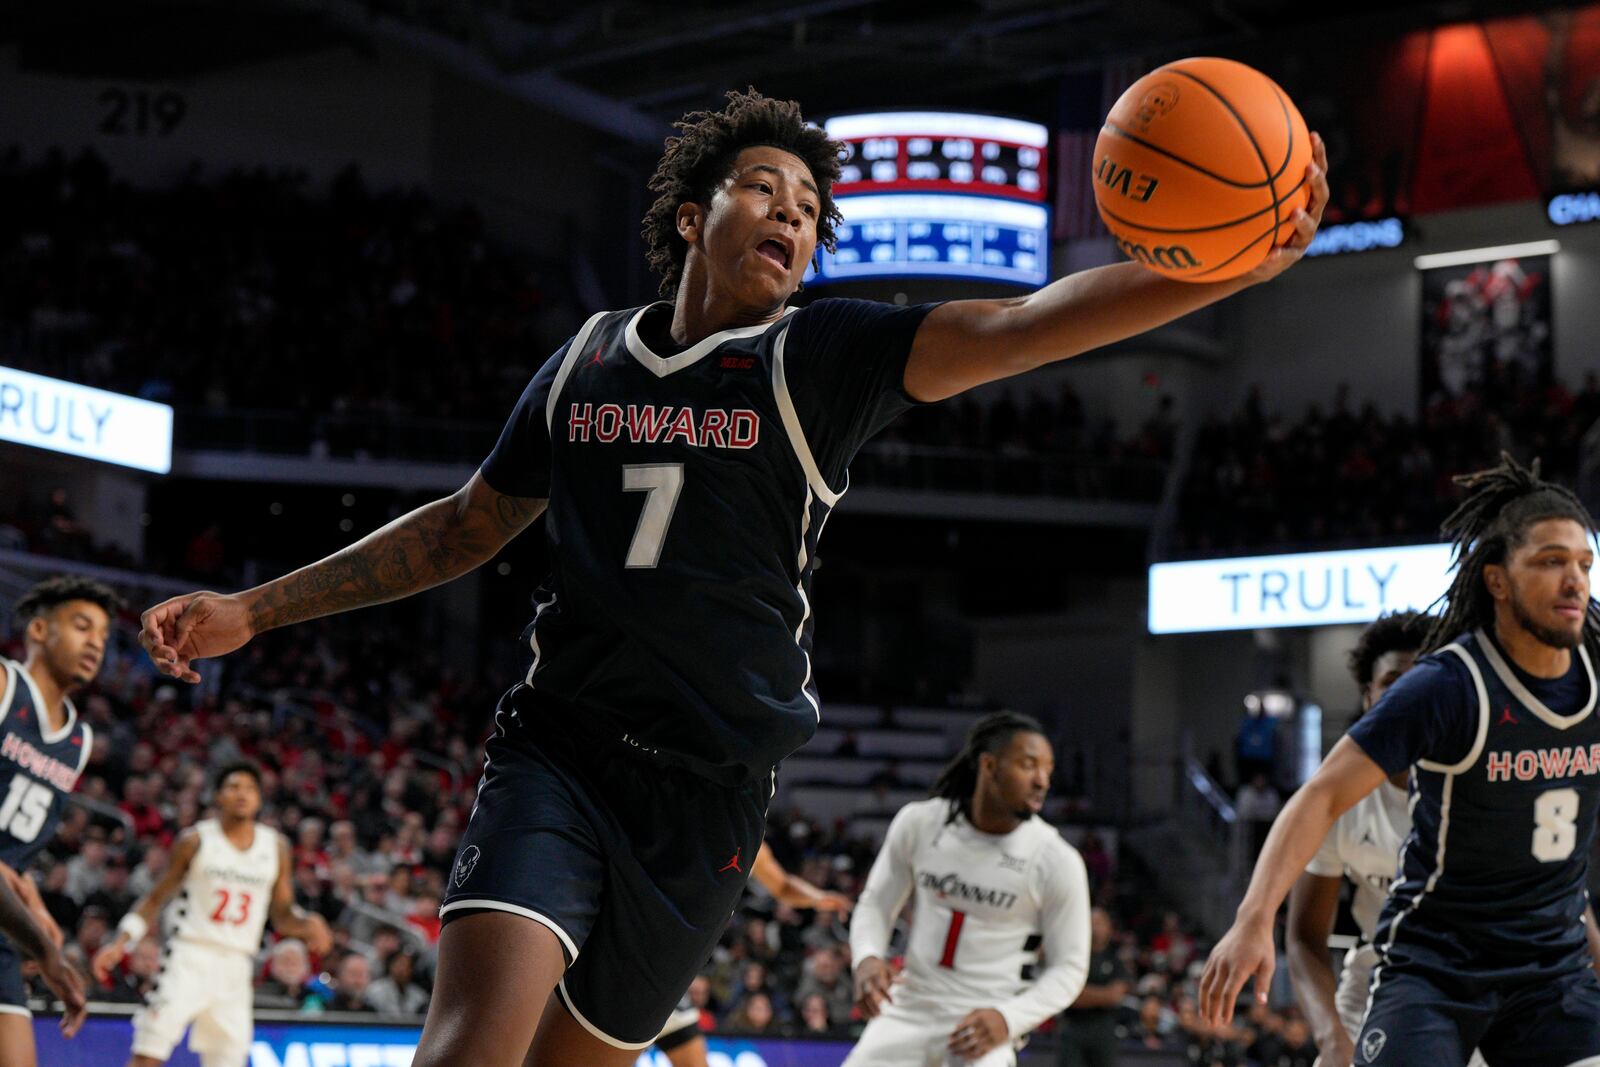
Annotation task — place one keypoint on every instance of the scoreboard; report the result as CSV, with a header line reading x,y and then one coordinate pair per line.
x,y
940,194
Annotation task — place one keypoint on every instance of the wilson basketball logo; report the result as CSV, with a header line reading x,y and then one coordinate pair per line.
x,y
1167,257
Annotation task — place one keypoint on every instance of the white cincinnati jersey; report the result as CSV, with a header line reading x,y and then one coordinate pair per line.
x,y
987,908
228,890
1364,845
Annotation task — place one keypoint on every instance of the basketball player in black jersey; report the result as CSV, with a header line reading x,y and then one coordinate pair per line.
x,y
686,456
1483,942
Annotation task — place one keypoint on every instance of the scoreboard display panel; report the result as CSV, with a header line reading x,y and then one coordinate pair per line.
x,y
940,194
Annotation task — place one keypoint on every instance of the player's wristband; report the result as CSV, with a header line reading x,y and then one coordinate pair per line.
x,y
134,927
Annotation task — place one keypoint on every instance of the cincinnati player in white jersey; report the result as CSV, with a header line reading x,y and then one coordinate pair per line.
x,y
231,875
996,888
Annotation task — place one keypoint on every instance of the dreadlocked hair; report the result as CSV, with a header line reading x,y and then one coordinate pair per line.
x,y
1501,505
1398,631
990,734
696,162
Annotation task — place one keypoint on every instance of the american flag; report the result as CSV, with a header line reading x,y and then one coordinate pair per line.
x,y
1077,217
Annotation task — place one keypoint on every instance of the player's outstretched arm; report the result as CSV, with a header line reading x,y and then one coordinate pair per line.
x,y
427,547
147,909
965,343
17,923
1246,950
288,918
1313,904
791,889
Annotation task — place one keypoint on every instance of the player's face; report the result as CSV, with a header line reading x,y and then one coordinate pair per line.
x,y
73,639
760,230
1386,671
1022,773
1545,582
239,797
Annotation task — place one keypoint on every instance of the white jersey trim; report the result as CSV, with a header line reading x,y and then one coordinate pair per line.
x,y
1483,723
566,1000
527,913
573,352
88,743
661,366
1529,701
791,424
15,1009
39,707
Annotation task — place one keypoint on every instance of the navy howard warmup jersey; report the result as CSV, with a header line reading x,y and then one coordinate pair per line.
x,y
687,492
37,768
1504,797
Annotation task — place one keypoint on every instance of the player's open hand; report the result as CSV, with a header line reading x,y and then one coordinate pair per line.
x,y
194,626
873,979
1306,220
978,1032
105,961
64,982
1245,952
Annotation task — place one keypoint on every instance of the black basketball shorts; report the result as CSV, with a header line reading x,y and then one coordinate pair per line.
x,y
13,988
1424,1015
634,865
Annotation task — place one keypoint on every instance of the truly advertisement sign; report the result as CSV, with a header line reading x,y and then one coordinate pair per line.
x,y
80,421
1303,589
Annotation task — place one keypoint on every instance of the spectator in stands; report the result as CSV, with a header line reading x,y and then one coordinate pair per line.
x,y
756,980
113,895
86,872
815,1019
136,804
53,891
289,983
351,979
135,976
398,992
1089,1027
754,1016
1153,1031
827,977
1257,804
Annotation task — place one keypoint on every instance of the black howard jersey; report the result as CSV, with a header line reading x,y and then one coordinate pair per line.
x,y
1505,791
38,767
687,493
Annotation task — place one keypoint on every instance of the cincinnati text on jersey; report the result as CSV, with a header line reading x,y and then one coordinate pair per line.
x,y
36,763
951,885
219,873
643,424
1544,763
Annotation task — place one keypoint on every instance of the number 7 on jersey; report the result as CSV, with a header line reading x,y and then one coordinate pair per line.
x,y
663,482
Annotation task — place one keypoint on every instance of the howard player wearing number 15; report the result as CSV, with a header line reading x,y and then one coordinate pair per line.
x,y
688,453
44,747
231,874
1482,942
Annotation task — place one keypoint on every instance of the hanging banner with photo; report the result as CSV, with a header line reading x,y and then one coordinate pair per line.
x,y
1485,326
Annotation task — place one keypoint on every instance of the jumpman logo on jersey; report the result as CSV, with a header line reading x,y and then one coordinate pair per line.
x,y
1366,837
732,864
1506,718
598,359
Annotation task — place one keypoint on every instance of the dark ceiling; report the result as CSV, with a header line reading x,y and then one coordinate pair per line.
x,y
646,63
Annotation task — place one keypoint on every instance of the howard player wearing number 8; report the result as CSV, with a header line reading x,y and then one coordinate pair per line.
x,y
1482,942
231,874
44,747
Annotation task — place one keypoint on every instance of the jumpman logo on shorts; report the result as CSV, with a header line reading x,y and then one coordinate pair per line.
x,y
732,864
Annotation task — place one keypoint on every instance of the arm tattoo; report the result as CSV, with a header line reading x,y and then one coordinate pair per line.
x,y
431,545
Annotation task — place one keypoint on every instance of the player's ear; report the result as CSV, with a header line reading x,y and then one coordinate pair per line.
x,y
691,221
38,629
1495,580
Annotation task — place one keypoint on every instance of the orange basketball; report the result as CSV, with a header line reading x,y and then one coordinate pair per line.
x,y
1199,168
